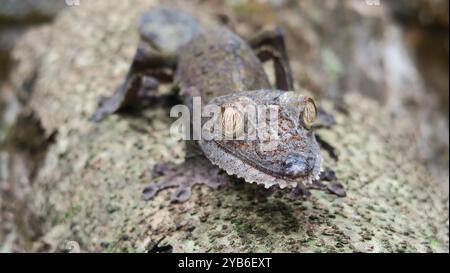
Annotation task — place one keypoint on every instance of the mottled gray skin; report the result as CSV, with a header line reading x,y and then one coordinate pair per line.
x,y
218,66
215,63
292,161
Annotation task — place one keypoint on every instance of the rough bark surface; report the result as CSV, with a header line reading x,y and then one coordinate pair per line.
x,y
88,189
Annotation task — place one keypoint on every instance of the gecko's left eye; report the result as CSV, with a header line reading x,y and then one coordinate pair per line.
x,y
233,116
309,113
232,122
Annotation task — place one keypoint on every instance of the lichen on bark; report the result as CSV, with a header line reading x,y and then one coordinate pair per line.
x,y
88,189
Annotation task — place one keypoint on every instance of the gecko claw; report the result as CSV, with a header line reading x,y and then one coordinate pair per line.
x,y
181,195
148,192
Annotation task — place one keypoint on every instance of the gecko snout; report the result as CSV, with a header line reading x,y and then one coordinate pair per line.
x,y
297,165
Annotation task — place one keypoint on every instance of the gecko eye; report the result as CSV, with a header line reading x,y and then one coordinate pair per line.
x,y
309,113
233,115
232,122
301,106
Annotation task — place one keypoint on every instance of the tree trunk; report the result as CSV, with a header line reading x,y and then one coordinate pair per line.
x,y
88,188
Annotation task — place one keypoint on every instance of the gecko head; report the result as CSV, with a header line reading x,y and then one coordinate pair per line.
x,y
265,136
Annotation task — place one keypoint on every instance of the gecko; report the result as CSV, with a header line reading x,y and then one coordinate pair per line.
x,y
221,68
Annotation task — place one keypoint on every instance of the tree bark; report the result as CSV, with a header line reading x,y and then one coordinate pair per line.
x,y
89,185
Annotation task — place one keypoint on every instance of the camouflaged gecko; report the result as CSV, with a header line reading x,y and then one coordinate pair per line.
x,y
221,68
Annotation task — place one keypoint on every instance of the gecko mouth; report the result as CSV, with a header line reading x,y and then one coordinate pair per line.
x,y
242,167
293,176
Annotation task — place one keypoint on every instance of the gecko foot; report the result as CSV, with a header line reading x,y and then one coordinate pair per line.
x,y
331,185
300,192
121,99
192,172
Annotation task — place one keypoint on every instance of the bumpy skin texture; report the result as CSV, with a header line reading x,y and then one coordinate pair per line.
x,y
217,62
220,68
217,66
289,158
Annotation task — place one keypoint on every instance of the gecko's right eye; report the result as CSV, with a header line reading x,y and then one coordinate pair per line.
x,y
309,113
300,106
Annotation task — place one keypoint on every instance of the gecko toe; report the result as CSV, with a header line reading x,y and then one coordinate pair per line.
x,y
337,189
328,175
300,192
148,192
105,108
181,195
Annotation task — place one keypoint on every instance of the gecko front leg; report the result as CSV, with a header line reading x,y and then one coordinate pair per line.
x,y
326,121
162,32
148,68
196,170
328,182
